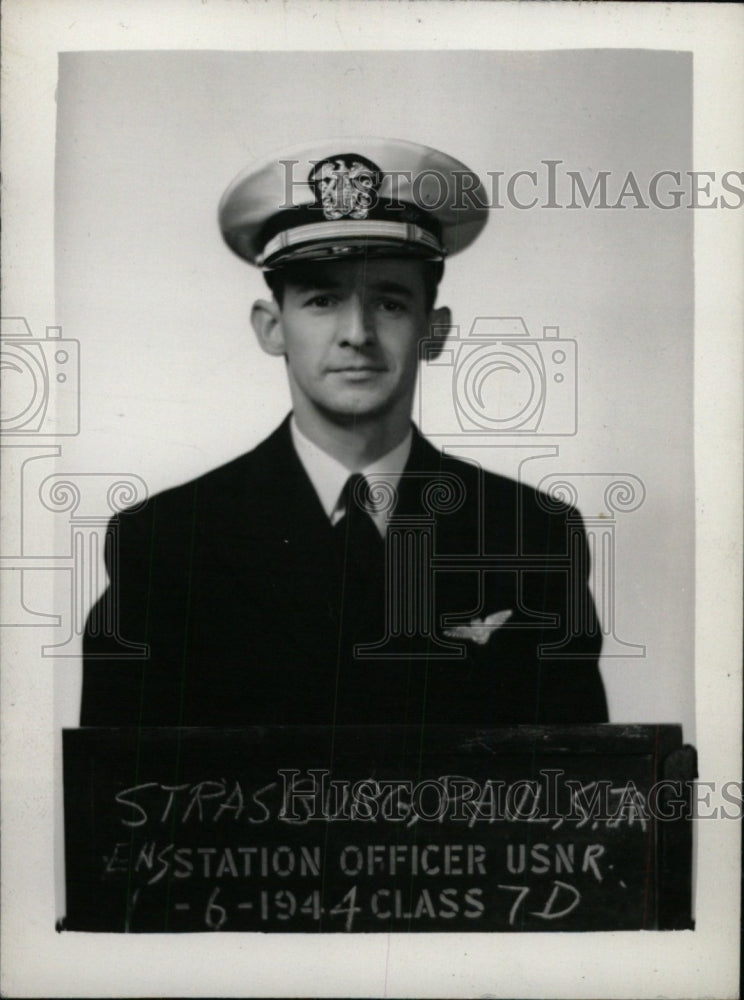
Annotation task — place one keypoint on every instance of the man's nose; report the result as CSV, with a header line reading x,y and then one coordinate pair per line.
x,y
357,327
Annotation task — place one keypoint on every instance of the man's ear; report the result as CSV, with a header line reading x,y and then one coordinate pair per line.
x,y
440,324
266,319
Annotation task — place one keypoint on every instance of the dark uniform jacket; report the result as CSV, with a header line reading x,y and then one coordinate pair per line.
x,y
239,589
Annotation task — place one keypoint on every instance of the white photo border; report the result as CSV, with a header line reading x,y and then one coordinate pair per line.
x,y
36,961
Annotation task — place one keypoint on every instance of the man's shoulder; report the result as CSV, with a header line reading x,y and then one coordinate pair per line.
x,y
491,486
218,487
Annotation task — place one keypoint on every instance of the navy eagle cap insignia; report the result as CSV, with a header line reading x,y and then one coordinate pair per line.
x,y
345,186
480,630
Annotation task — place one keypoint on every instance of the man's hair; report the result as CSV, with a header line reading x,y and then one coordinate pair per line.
x,y
432,271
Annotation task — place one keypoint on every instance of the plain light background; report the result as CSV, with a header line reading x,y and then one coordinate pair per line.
x,y
173,382
38,962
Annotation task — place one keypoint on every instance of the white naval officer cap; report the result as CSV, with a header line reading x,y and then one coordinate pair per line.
x,y
363,196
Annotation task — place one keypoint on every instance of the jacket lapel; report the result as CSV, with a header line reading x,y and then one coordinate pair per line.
x,y
286,534
462,528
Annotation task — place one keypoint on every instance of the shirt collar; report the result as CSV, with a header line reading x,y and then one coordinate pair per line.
x,y
329,476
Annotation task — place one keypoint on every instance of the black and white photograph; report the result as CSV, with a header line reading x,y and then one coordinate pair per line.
x,y
371,537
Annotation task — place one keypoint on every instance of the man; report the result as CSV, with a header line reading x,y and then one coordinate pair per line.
x,y
345,571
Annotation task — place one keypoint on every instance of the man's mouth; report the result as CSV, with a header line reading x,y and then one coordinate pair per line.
x,y
357,369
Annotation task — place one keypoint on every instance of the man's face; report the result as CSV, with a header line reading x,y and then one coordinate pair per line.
x,y
350,332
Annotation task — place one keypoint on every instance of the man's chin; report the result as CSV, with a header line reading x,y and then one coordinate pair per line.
x,y
356,410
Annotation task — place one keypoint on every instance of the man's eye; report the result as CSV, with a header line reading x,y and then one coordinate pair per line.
x,y
391,306
320,301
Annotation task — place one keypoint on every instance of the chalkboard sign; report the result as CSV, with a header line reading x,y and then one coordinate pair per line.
x,y
308,829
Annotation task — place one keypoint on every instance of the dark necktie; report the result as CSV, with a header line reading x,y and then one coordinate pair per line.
x,y
360,555
356,536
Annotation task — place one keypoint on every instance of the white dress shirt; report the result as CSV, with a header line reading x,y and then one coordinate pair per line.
x,y
329,476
